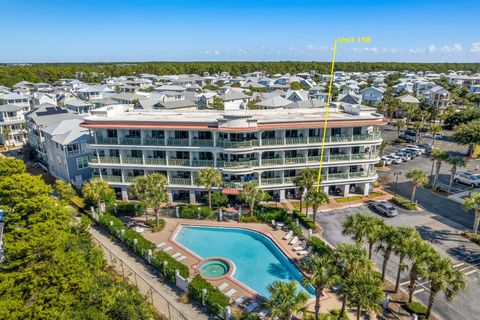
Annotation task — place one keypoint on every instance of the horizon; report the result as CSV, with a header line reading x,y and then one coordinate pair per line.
x,y
218,31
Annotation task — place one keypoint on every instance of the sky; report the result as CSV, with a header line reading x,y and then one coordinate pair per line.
x,y
241,30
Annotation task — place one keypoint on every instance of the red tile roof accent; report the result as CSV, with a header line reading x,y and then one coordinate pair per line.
x,y
214,127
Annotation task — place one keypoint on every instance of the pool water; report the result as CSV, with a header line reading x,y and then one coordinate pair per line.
x,y
258,261
214,268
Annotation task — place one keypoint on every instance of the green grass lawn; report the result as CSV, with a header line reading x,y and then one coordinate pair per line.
x,y
375,194
348,199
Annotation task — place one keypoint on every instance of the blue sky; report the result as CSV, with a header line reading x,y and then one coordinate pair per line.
x,y
261,30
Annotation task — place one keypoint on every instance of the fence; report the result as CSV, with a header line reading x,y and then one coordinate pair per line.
x,y
150,293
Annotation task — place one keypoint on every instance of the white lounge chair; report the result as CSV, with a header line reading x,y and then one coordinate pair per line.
x,y
181,258
167,249
251,307
231,292
161,245
263,313
288,236
223,286
176,255
301,247
240,300
293,241
304,252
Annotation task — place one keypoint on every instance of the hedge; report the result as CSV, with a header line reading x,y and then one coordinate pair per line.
x,y
403,203
348,199
128,208
472,236
296,229
304,220
142,246
190,211
416,307
266,214
319,246
214,299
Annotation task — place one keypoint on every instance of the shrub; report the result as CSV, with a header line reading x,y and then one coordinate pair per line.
x,y
296,229
78,202
128,208
159,257
214,299
189,211
472,236
267,214
152,224
416,307
305,221
247,218
375,194
319,246
403,203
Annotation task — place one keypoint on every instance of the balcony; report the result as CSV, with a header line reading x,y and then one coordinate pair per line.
x,y
271,181
273,142
106,160
178,142
154,141
132,160
300,140
295,160
237,144
181,181
179,162
103,140
109,178
132,141
272,162
203,163
202,142
129,179
156,161
238,164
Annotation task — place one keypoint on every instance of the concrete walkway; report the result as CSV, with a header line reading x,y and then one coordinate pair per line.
x,y
164,297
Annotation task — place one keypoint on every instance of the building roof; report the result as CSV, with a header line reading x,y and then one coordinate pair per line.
x,y
67,131
274,102
47,114
408,99
10,108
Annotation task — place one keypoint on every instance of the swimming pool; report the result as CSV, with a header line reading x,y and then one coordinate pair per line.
x,y
258,261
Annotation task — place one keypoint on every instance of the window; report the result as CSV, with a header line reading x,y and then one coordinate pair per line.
x,y
111,133
82,163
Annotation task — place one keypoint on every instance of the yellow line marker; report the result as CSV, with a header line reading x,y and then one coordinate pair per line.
x,y
326,114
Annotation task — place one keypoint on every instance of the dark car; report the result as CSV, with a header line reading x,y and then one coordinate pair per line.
x,y
407,137
427,147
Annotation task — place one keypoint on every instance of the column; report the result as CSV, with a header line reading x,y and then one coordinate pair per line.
x,y
325,189
192,197
282,195
346,190
366,188
124,194
170,195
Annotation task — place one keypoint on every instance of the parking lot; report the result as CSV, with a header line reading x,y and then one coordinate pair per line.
x,y
443,234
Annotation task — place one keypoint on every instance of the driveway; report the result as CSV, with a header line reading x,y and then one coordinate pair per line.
x,y
439,231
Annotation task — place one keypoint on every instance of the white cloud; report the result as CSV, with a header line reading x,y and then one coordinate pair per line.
x,y
312,47
242,52
475,47
211,52
456,47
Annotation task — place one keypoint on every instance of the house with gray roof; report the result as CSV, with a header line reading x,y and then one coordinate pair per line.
x,y
12,125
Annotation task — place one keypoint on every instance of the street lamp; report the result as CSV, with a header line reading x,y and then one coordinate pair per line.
x,y
396,174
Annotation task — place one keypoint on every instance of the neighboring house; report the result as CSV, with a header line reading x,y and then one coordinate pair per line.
x,y
318,93
350,98
16,99
297,95
274,103
233,95
40,118
422,87
438,97
40,98
79,106
12,117
407,99
205,99
127,98
67,152
372,95
93,92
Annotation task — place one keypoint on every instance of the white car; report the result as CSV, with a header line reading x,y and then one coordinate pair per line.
x,y
395,159
412,146
405,156
386,160
385,208
467,178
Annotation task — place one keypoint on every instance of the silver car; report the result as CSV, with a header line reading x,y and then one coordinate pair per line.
x,y
385,208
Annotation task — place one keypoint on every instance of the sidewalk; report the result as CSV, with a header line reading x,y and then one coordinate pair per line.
x,y
167,296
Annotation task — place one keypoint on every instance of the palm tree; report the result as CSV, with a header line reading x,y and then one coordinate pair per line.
x,y
252,195
399,124
209,178
473,202
373,228
438,156
322,274
455,162
96,190
383,145
434,130
305,182
388,242
6,133
418,179
405,235
365,291
443,278
300,184
355,226
351,257
418,252
316,198
417,125
151,190
285,300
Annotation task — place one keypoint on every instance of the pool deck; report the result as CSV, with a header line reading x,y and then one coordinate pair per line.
x,y
329,301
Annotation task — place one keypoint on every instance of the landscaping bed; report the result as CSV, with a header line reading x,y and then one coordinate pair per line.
x,y
403,203
348,199
474,237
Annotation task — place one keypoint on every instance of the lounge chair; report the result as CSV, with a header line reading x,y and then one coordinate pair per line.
x,y
263,313
176,255
223,286
304,252
251,307
167,249
288,236
231,292
293,241
161,245
240,300
303,246
181,258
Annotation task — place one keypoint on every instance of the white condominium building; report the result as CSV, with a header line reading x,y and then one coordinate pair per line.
x,y
269,147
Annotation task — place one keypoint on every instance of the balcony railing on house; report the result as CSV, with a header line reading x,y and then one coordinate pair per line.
x,y
203,163
132,160
202,142
132,141
154,141
181,181
179,162
156,161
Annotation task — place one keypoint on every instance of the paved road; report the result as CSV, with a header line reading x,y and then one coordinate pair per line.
x,y
443,234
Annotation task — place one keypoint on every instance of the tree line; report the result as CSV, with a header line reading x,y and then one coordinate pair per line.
x,y
95,72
